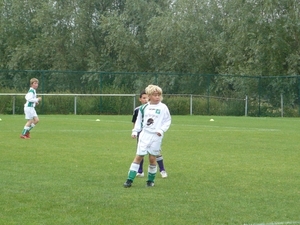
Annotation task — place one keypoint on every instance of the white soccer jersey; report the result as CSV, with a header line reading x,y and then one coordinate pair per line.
x,y
31,98
153,118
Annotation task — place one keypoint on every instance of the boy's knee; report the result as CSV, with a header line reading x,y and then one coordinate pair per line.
x,y
138,159
152,159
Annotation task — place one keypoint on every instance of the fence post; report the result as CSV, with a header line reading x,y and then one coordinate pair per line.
x,y
208,93
134,103
14,104
281,103
75,105
246,105
191,105
100,91
43,90
259,94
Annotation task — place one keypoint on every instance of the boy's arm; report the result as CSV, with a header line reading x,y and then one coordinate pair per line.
x,y
138,125
134,116
166,122
30,97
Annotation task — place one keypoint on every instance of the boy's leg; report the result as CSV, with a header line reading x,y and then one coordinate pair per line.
x,y
141,166
32,120
133,171
152,169
160,162
26,129
32,125
140,172
131,174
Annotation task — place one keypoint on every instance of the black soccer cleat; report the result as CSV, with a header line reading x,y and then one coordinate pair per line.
x,y
127,184
149,183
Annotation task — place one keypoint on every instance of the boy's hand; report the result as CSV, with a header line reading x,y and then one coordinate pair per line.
x,y
134,134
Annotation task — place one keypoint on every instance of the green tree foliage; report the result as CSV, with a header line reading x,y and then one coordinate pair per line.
x,y
237,37
126,38
261,37
181,40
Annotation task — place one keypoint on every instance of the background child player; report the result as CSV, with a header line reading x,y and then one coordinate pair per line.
x,y
159,159
29,108
152,122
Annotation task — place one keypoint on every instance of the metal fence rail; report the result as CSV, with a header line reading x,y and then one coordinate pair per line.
x,y
189,99
13,95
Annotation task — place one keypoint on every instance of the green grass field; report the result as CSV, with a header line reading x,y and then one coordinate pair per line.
x,y
234,170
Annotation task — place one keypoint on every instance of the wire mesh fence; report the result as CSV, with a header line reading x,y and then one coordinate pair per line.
x,y
196,94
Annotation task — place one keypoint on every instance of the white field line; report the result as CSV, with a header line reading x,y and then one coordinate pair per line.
x,y
83,131
274,223
222,130
214,128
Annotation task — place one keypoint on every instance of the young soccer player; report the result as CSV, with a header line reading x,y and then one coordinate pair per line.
x,y
29,108
152,122
159,159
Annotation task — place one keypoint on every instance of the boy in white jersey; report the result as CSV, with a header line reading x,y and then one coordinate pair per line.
x,y
30,114
152,122
159,159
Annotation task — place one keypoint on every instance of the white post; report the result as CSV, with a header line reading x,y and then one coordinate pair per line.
x,y
75,105
14,104
133,103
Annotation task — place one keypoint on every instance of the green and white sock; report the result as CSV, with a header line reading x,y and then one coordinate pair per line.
x,y
152,169
25,130
133,171
31,126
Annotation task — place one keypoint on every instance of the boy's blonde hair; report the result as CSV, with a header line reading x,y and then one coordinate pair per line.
x,y
32,80
151,89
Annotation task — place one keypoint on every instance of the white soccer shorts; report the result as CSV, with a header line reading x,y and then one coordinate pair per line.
x,y
30,113
149,143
